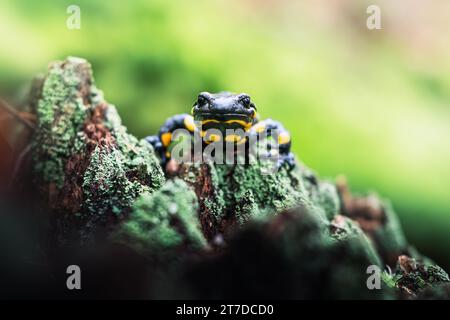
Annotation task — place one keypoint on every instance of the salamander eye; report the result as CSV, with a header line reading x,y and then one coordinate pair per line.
x,y
202,99
245,100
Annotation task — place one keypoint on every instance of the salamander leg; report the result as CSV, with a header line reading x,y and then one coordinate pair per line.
x,y
274,130
161,142
157,146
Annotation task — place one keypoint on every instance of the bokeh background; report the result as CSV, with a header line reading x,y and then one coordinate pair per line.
x,y
371,104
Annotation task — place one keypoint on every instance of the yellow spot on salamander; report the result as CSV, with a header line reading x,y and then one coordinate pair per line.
x,y
213,138
168,154
259,127
166,138
233,138
243,123
189,123
210,120
284,138
246,125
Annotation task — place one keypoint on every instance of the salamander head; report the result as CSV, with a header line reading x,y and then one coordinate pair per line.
x,y
224,111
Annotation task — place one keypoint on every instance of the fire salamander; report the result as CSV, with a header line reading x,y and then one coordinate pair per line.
x,y
222,111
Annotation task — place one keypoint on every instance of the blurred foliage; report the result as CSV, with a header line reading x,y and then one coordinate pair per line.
x,y
371,104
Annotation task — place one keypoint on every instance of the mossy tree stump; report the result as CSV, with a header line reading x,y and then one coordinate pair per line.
x,y
253,234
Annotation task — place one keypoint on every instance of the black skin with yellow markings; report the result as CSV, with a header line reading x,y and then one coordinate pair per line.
x,y
222,111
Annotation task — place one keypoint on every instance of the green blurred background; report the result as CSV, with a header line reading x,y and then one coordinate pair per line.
x,y
373,105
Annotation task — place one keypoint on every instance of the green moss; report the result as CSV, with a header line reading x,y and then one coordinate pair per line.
x,y
420,276
272,190
247,188
164,221
117,175
106,186
247,191
247,208
81,148
321,194
61,114
327,198
389,238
